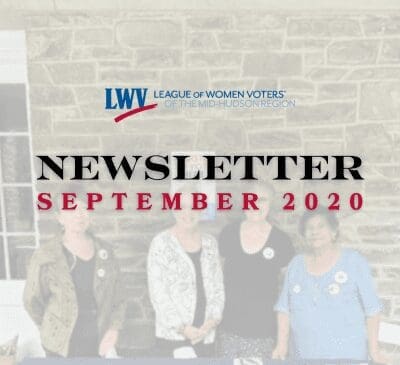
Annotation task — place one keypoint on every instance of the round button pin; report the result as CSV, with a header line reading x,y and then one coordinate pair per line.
x,y
269,253
334,289
297,289
103,254
341,277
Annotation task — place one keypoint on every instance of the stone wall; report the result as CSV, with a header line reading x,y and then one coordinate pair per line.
x,y
342,69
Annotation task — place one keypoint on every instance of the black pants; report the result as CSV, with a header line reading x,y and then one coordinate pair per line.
x,y
165,348
53,354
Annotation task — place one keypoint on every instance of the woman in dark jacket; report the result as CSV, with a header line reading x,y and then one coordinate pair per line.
x,y
72,291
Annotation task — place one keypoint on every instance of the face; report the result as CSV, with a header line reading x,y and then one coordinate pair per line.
x,y
263,204
318,233
76,221
187,218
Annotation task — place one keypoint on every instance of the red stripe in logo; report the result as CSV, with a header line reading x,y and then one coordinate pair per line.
x,y
129,113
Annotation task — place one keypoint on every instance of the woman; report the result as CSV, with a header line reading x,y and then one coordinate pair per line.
x,y
186,286
328,302
255,251
71,291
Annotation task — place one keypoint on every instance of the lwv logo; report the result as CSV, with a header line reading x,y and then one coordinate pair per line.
x,y
118,98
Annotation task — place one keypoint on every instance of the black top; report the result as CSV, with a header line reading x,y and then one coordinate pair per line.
x,y
252,282
200,312
84,341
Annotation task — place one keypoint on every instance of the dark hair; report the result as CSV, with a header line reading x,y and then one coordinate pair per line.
x,y
329,215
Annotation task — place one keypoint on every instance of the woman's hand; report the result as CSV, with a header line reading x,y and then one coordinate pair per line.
x,y
280,352
192,333
204,330
108,342
378,357
373,340
281,349
208,326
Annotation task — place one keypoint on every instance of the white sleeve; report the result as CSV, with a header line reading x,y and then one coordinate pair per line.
x,y
157,271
